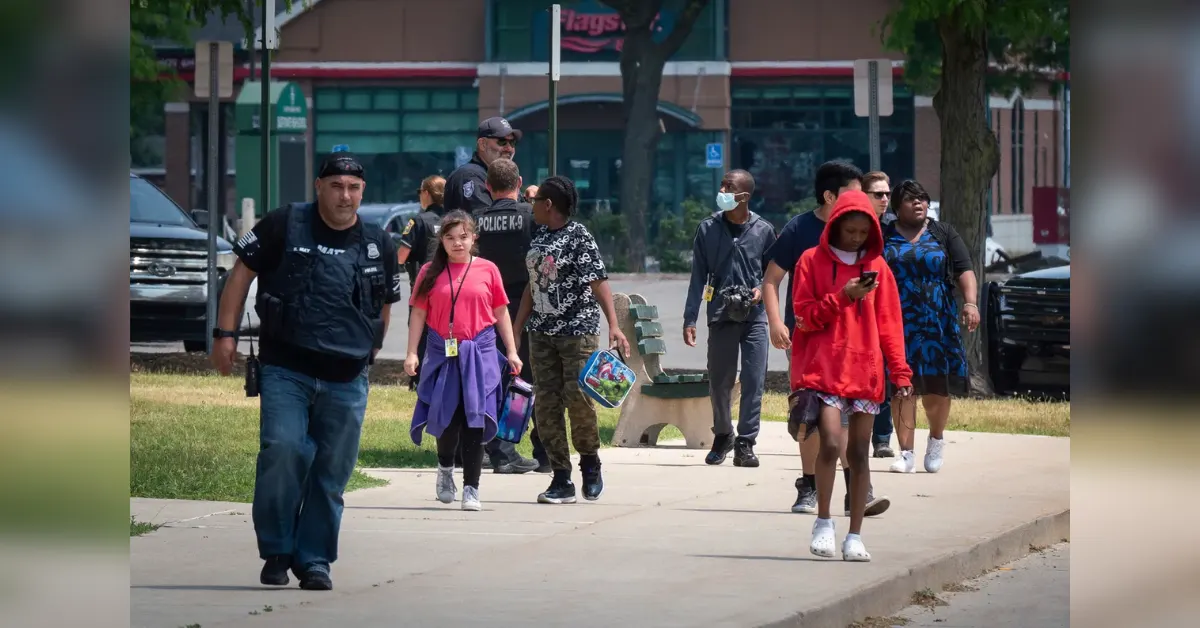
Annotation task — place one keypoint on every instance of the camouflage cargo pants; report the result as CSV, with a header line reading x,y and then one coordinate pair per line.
x,y
557,362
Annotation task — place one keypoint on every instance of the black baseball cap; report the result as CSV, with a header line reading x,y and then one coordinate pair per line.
x,y
341,163
498,127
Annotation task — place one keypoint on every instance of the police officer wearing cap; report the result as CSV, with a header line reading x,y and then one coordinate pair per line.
x,y
466,187
326,282
505,231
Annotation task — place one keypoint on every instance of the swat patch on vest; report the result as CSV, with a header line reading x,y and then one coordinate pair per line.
x,y
372,251
469,189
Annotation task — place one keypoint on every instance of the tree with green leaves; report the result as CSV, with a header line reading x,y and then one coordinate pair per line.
x,y
642,64
962,52
150,83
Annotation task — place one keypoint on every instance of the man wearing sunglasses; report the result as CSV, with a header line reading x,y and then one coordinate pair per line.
x,y
466,187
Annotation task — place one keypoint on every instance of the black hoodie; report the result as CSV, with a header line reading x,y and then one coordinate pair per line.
x,y
732,255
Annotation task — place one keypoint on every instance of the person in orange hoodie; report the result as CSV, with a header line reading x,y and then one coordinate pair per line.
x,y
848,325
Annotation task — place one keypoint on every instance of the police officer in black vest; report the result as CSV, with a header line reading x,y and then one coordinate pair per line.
x,y
505,231
419,241
326,282
466,187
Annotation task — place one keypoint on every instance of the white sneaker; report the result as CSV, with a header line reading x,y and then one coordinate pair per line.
x,y
853,550
446,490
823,542
906,463
471,499
933,454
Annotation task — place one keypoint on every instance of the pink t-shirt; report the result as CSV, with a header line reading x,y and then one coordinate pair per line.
x,y
481,292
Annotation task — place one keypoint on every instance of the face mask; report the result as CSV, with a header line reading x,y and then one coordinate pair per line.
x,y
726,201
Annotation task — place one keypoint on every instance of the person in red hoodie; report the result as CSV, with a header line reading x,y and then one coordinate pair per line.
x,y
848,325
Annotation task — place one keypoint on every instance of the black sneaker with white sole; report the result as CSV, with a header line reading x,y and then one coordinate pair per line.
x,y
593,481
561,491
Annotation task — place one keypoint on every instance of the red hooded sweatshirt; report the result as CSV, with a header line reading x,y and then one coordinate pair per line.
x,y
840,346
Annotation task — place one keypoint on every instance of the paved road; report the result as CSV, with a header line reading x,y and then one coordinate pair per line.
x,y
668,292
1033,591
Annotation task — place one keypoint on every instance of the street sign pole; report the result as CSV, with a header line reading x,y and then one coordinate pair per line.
x,y
214,218
873,100
264,115
555,48
873,77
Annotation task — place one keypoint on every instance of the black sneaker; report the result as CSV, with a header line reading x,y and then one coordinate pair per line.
x,y
561,491
593,482
806,498
722,445
275,571
883,449
543,466
518,466
316,578
743,453
875,505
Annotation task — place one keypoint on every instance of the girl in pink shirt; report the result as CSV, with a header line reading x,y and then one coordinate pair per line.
x,y
459,301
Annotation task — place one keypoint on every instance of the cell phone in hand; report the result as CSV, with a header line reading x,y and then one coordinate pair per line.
x,y
868,277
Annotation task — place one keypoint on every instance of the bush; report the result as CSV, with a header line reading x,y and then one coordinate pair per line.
x,y
676,230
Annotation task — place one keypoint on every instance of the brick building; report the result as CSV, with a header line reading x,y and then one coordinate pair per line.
x,y
404,83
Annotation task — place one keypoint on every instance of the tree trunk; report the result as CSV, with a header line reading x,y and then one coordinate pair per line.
x,y
641,71
970,157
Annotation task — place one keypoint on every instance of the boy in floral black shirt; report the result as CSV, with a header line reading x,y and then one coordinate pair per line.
x,y
568,286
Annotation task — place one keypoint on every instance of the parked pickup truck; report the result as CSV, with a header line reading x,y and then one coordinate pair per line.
x,y
1029,331
168,269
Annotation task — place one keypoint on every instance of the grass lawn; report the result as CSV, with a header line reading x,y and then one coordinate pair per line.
x,y
196,436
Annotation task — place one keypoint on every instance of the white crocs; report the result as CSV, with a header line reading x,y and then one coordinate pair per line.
x,y
823,542
853,550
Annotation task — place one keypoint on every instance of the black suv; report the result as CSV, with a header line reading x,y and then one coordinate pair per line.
x,y
1029,331
168,269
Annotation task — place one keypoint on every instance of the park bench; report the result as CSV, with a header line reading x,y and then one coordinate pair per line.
x,y
659,399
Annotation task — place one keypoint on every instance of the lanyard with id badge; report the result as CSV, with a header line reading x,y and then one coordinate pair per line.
x,y
451,341
709,288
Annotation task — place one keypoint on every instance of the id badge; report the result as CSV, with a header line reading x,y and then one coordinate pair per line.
x,y
452,348
708,293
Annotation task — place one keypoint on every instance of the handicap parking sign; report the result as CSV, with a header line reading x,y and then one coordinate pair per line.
x,y
714,155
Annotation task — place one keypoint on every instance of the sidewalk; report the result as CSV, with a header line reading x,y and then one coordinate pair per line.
x,y
672,542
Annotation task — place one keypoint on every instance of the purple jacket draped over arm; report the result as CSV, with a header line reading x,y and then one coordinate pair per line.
x,y
475,376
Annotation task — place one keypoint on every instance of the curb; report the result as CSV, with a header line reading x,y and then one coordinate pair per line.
x,y
894,593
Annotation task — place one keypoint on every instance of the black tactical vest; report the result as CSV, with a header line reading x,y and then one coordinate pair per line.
x,y
321,302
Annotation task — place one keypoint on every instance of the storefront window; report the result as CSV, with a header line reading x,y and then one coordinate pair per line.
x,y
782,134
591,31
593,160
401,135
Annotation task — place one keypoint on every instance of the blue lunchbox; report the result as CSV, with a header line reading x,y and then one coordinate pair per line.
x,y
516,409
606,378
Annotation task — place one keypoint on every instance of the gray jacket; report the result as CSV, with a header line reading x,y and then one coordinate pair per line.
x,y
727,255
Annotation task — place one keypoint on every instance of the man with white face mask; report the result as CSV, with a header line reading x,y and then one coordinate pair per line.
x,y
729,258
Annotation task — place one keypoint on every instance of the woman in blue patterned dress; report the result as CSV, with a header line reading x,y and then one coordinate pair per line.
x,y
928,258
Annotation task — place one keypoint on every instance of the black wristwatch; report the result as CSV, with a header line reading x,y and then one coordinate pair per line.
x,y
221,333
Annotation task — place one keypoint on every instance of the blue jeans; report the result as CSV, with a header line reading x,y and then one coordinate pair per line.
x,y
309,438
883,423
